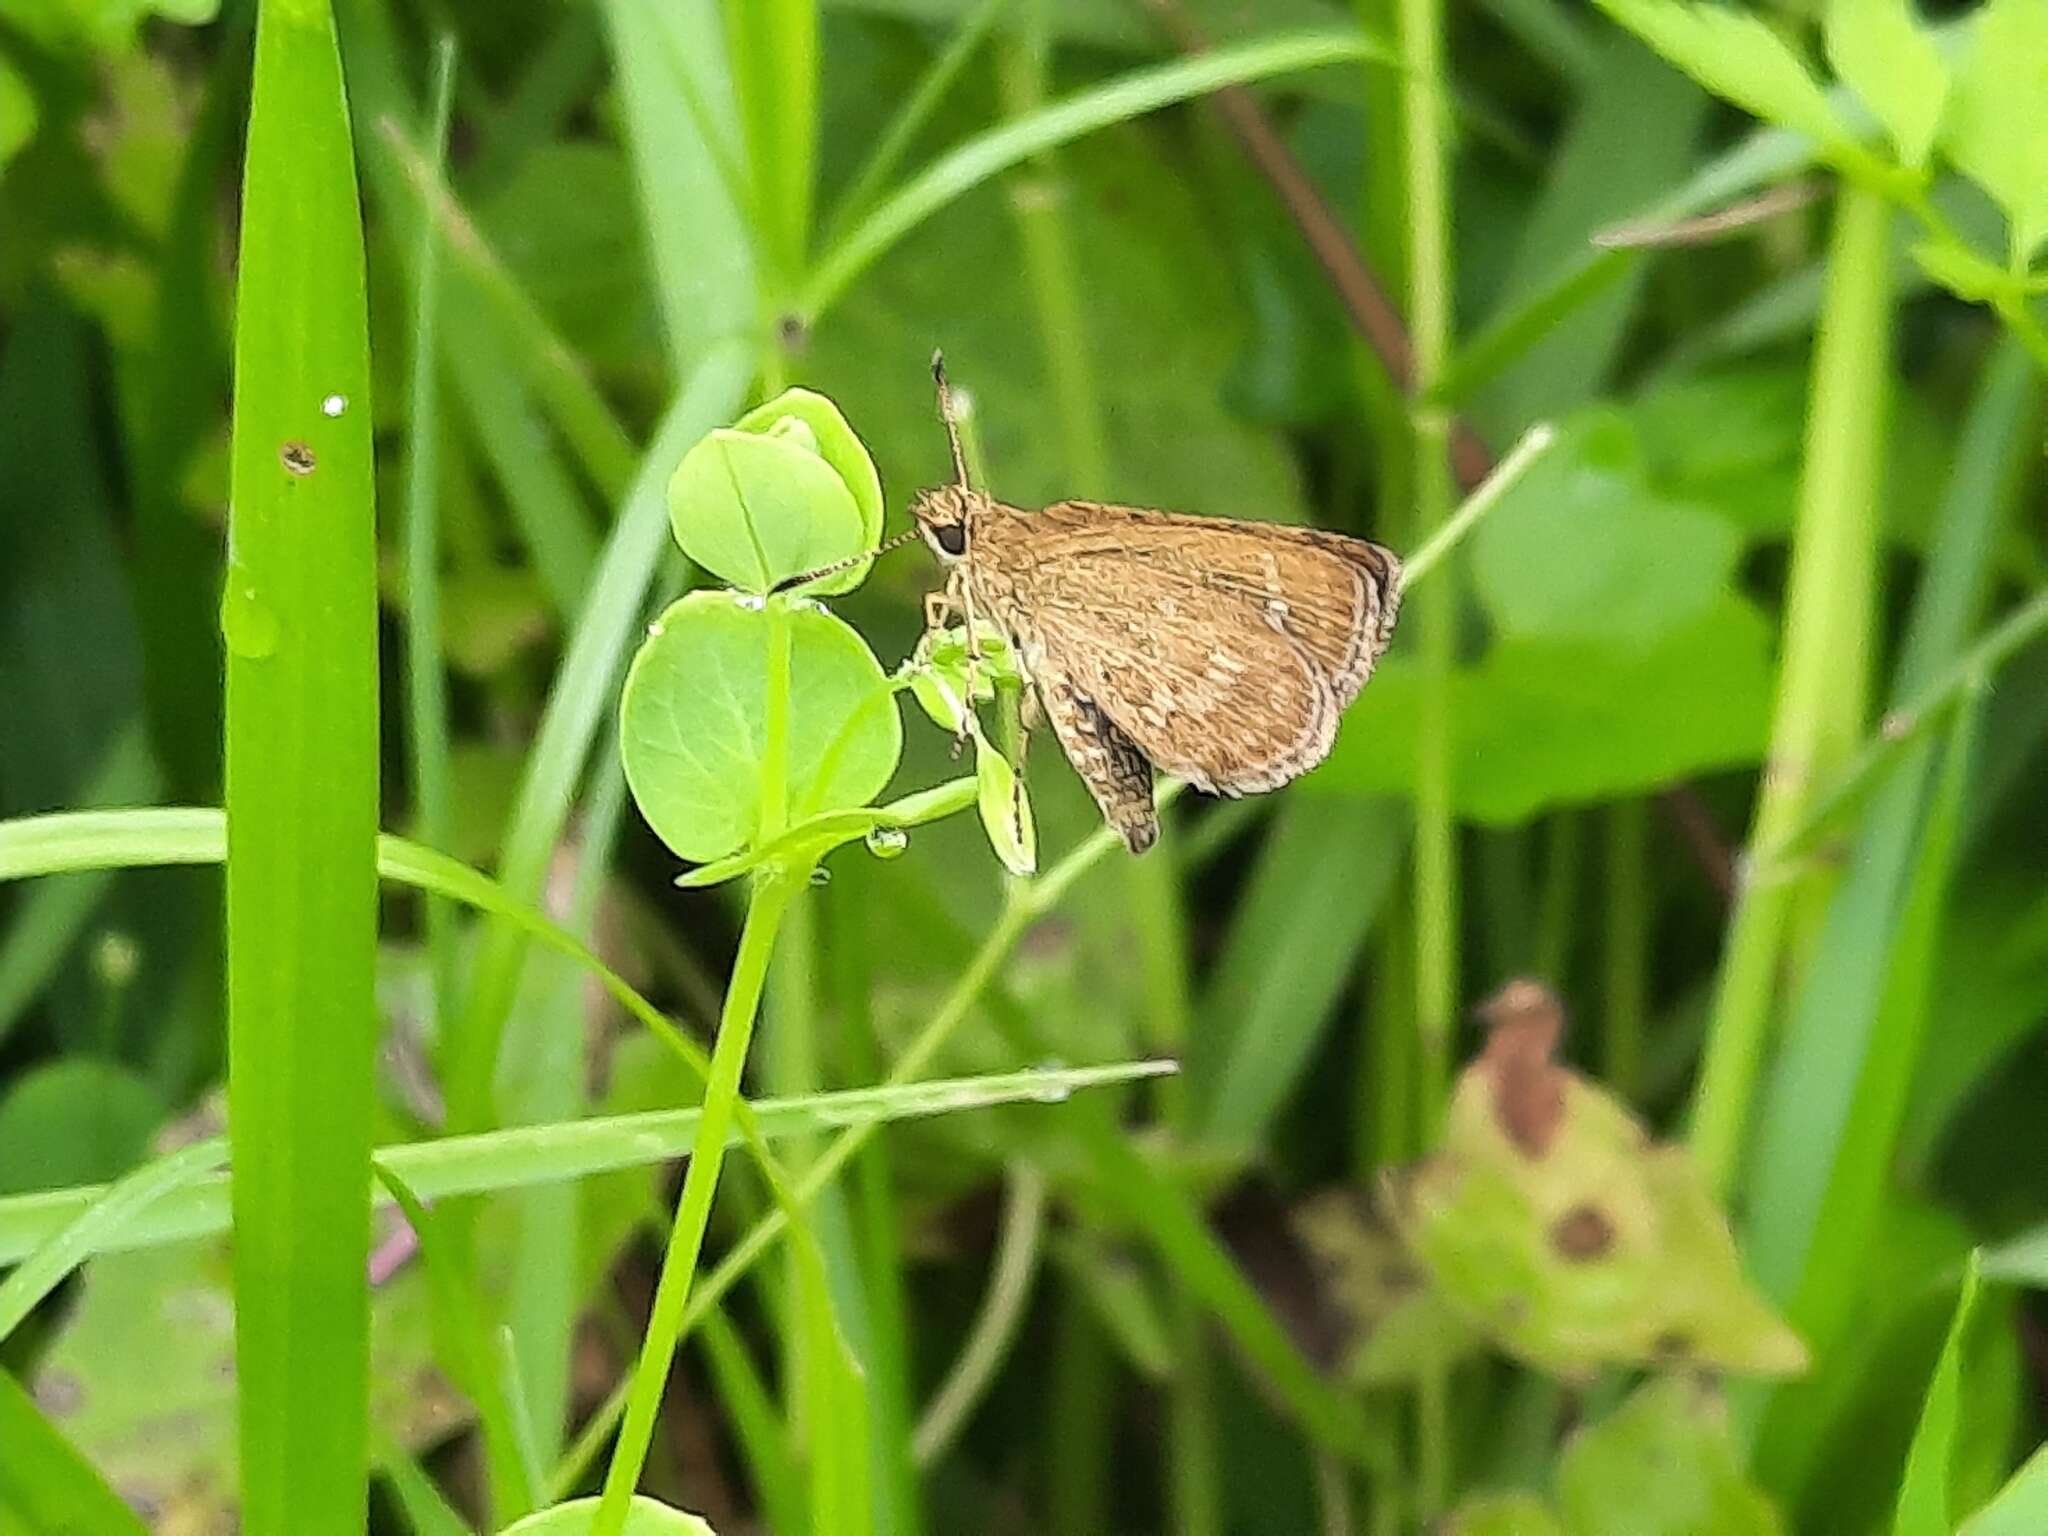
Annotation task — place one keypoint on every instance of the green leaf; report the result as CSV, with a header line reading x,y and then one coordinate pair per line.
x,y
300,625
44,1270
1583,545
99,26
1503,1514
1549,1218
165,1435
787,489
1883,53
44,1483
2020,1507
17,112
1545,721
1996,130
1738,56
1662,1464
693,720
644,1517
1160,296
832,440
1923,1494
1005,808
76,1120
1966,274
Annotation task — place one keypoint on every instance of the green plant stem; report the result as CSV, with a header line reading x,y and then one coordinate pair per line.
x,y
903,129
1625,998
769,901
969,164
1824,675
1970,674
1081,1423
995,1326
1158,921
1027,902
1425,106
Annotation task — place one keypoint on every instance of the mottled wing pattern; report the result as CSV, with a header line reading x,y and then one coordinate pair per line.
x,y
1117,774
1339,596
1224,651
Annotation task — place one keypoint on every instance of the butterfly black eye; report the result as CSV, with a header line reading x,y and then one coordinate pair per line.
x,y
951,539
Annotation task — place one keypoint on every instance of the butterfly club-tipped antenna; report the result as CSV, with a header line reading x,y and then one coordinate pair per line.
x,y
804,578
950,416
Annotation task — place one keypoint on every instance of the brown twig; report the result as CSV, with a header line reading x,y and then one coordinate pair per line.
x,y
1380,325
1653,234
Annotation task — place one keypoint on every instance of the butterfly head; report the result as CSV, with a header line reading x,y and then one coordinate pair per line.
x,y
945,516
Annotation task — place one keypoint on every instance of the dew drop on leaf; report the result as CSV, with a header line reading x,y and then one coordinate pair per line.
x,y
820,875
247,623
887,842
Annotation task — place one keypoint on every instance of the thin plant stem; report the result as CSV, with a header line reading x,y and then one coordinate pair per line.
x,y
903,129
1157,917
426,693
995,1326
1027,902
1625,998
1082,1421
1451,531
665,1326
1425,105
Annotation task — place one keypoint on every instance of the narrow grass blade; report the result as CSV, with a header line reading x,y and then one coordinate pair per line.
x,y
584,686
756,1426
462,1321
771,50
671,67
2020,1508
426,683
576,406
1923,1496
1323,875
110,1213
45,1485
300,620
424,1505
896,139
528,1155
42,928
1823,677
962,169
546,507
995,1325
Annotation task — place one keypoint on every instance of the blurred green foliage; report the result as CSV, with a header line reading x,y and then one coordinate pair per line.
x,y
1301,1287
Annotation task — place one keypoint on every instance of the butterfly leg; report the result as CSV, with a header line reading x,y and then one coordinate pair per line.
x,y
962,597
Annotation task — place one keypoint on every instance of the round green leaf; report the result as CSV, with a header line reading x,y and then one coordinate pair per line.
x,y
787,489
832,440
644,1517
693,721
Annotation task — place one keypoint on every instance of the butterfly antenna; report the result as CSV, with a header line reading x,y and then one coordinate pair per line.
x,y
804,578
947,415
